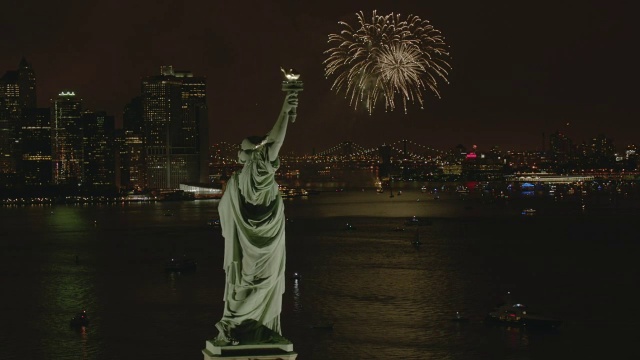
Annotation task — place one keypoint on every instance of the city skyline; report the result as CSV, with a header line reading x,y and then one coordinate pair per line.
x,y
515,74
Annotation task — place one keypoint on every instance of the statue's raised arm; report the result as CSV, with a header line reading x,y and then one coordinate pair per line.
x,y
275,137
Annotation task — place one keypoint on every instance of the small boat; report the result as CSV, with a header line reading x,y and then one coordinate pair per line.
x,y
214,223
459,318
168,213
296,276
80,319
417,222
519,315
412,221
287,192
180,265
528,212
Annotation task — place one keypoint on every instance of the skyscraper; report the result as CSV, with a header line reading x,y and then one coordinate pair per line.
x,y
196,120
9,113
132,169
99,149
36,146
174,115
67,154
27,85
17,93
560,148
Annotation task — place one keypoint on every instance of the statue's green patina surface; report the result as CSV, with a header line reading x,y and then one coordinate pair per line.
x,y
253,225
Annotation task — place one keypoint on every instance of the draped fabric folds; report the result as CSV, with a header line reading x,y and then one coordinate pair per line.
x,y
253,225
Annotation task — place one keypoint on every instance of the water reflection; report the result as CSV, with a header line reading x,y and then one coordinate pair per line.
x,y
67,283
297,303
86,352
173,286
516,337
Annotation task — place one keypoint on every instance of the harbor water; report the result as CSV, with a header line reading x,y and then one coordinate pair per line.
x,y
359,272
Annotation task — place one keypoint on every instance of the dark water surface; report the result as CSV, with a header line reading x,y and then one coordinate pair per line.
x,y
386,298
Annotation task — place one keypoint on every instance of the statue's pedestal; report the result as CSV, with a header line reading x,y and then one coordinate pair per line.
x,y
282,351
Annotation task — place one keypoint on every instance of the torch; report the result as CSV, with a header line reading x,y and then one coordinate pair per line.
x,y
291,84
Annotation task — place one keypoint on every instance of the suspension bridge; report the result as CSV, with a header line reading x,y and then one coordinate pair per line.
x,y
406,150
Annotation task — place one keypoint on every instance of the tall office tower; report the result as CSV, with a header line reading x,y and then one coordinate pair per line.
x,y
7,162
36,146
631,157
196,121
17,92
9,119
121,154
560,148
27,85
67,156
601,152
99,149
132,169
174,114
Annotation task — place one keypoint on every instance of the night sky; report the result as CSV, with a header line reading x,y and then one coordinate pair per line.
x,y
519,69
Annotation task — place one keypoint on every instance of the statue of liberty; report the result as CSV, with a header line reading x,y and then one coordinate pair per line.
x,y
253,225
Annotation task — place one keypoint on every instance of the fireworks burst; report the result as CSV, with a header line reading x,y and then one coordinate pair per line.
x,y
387,57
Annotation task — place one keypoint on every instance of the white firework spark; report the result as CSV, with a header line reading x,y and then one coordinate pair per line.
x,y
400,71
387,56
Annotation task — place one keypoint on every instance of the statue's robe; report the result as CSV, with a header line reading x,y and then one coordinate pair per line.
x,y
253,225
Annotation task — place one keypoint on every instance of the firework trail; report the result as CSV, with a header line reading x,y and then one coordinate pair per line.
x,y
388,57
